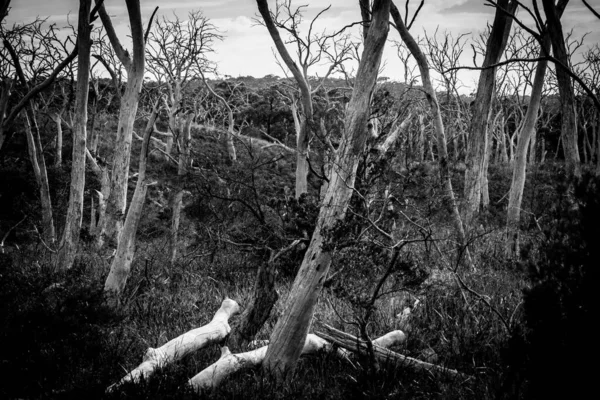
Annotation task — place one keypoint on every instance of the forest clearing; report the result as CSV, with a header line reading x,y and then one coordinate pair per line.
x,y
344,229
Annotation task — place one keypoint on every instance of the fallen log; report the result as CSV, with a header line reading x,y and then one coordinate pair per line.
x,y
354,344
230,363
213,332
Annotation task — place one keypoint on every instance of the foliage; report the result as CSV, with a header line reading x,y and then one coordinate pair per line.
x,y
550,353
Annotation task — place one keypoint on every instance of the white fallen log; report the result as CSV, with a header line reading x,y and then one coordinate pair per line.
x,y
213,332
354,344
229,363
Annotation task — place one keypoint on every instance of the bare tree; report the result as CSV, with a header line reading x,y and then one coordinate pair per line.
x,y
70,237
28,53
310,50
292,327
413,47
565,87
121,264
478,131
134,64
445,51
177,54
527,131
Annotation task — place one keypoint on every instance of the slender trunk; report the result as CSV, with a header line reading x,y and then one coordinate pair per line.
x,y
184,160
532,147
527,132
5,88
422,139
112,224
36,156
121,264
478,131
292,327
59,140
565,88
442,149
70,237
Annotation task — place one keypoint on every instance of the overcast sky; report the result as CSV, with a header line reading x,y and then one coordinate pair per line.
x,y
247,47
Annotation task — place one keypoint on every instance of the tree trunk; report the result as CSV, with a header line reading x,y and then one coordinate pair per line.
x,y
72,229
184,161
520,166
436,117
478,130
59,140
117,201
5,88
175,349
290,332
36,156
121,264
307,122
565,87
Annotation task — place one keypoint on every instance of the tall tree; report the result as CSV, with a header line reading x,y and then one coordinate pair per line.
x,y
477,145
310,51
134,64
292,327
121,264
71,232
565,88
436,115
524,137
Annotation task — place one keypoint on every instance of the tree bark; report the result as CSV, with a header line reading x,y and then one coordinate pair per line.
x,y
59,140
527,132
121,264
438,125
478,131
303,135
36,156
213,332
184,161
290,331
565,87
212,376
72,229
112,224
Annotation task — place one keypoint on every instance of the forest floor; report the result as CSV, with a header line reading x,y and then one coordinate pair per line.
x,y
61,341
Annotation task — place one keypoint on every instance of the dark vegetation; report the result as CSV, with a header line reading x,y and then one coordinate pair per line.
x,y
60,341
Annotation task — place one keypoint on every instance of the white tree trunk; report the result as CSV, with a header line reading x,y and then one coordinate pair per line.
x,y
70,237
212,376
121,264
478,132
213,332
290,332
36,156
116,203
184,160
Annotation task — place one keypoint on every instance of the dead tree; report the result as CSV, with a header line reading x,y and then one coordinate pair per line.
x,y
134,64
450,200
310,51
478,131
290,332
177,54
121,264
70,237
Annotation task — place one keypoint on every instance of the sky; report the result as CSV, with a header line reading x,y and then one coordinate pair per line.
x,y
247,48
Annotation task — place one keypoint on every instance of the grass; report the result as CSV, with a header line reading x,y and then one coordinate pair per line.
x,y
59,340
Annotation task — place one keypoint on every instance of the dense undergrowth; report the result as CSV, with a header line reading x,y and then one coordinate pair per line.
x,y
60,341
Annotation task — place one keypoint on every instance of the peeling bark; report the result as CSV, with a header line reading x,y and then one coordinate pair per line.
x,y
213,332
121,264
70,237
290,331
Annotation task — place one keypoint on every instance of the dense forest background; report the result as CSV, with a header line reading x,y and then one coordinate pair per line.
x,y
385,238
